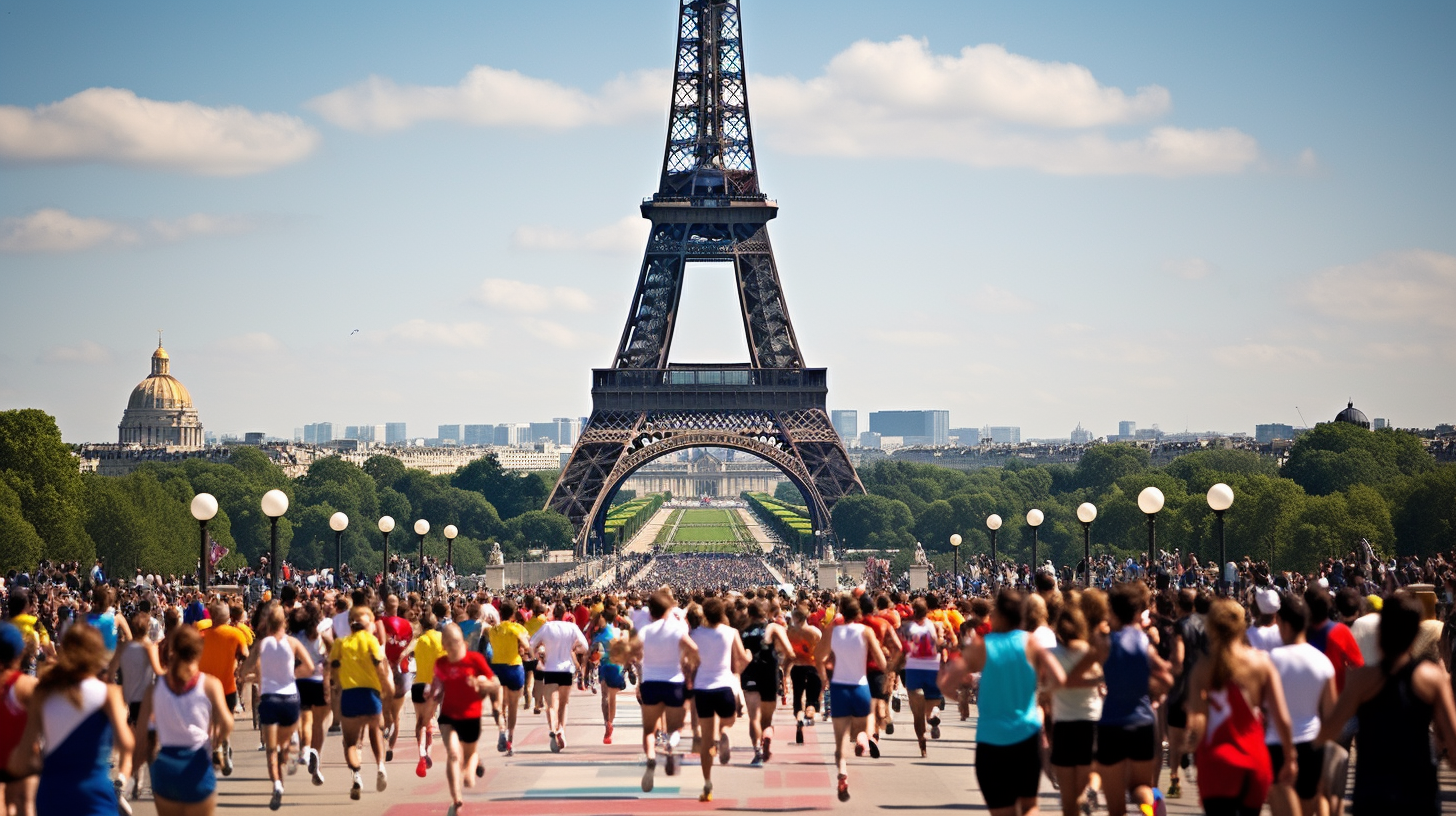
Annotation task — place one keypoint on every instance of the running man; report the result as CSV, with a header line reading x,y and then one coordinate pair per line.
x,y
462,679
803,675
364,677
223,647
395,633
766,643
509,643
558,642
428,648
850,646
661,650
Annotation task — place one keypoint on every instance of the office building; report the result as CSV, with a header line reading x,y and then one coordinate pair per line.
x,y
914,427
869,439
513,435
1126,429
319,433
846,424
1080,435
450,434
1265,434
567,430
1380,423
1003,434
966,437
478,435
395,433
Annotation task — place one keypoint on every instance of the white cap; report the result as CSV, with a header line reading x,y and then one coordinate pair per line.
x,y
1267,601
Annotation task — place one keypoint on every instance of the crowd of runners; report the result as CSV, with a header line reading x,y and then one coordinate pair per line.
x,y
1270,697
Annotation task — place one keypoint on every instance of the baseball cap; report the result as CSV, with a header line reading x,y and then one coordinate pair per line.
x,y
12,643
1267,600
1375,601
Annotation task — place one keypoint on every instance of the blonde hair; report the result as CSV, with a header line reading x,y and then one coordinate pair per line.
x,y
1225,625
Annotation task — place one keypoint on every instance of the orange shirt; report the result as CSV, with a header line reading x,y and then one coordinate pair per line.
x,y
222,648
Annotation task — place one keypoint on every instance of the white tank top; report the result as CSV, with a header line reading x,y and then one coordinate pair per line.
x,y
59,716
850,654
715,656
275,665
182,719
315,649
662,652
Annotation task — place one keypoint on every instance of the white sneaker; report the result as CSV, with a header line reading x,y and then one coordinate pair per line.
x,y
381,781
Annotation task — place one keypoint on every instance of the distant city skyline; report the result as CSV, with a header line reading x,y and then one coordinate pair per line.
x,y
1209,217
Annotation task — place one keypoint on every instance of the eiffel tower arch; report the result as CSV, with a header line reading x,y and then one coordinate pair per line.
x,y
708,207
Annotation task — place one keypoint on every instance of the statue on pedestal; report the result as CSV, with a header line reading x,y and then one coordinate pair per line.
x,y
829,553
920,554
496,559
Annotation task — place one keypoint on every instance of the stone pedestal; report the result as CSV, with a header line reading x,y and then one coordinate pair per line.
x,y
919,577
828,575
495,577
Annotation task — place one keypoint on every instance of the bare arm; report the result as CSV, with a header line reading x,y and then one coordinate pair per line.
x,y
222,716
302,662
1433,685
121,737
1360,685
873,649
741,657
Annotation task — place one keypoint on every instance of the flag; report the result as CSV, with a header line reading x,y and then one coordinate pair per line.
x,y
219,552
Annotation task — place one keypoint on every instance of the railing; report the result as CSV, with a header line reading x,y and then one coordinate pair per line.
x,y
700,377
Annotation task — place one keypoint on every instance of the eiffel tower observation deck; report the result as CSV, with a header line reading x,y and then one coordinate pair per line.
x,y
708,208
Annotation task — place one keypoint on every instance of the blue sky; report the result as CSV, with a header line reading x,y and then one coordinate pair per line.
x,y
1033,214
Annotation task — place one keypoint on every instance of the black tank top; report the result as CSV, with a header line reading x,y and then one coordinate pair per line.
x,y
1396,771
759,646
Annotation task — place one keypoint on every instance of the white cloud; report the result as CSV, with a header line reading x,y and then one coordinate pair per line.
x,y
429,333
1191,269
492,97
82,353
519,296
1264,354
994,300
56,231
115,125
550,332
1413,288
627,236
985,108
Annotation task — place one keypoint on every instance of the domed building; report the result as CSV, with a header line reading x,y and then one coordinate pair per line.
x,y
1353,416
160,411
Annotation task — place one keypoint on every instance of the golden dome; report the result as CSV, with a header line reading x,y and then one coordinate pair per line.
x,y
161,390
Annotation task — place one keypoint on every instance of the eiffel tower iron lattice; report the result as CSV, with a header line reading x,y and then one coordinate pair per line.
x,y
708,207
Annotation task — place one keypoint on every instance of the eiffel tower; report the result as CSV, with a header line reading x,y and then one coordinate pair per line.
x,y
708,207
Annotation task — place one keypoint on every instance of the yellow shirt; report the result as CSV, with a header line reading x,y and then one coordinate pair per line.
x,y
534,625
505,643
428,649
355,657
33,634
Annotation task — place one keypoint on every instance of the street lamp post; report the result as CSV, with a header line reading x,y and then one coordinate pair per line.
x,y
338,522
275,504
450,532
421,527
955,548
1150,501
1034,518
1221,498
818,544
386,524
204,507
1086,513
993,523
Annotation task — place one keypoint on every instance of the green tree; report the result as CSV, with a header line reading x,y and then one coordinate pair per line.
x,y
510,493
873,522
21,547
1101,465
39,469
787,493
1336,455
541,528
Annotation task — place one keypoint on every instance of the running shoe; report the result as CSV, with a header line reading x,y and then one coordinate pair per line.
x,y
934,726
725,750
277,800
844,787
889,728
293,764
1175,791
501,742
859,745
453,810
227,761
1094,800
799,732
707,794
388,754
767,751
757,757
672,765
357,788
895,704
381,781
555,749
420,768
336,728
313,768
607,737
561,739
647,775
874,749
479,770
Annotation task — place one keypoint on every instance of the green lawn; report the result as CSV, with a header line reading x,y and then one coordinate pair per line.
x,y
708,530
703,548
706,517
703,533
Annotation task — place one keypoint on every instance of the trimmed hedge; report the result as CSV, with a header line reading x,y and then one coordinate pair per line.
x,y
790,521
627,518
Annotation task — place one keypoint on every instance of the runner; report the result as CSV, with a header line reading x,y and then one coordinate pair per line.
x,y
558,642
276,661
315,634
508,642
720,656
395,634
1234,766
1134,674
1308,679
879,677
16,689
804,675
357,661
1008,729
1076,708
535,686
612,675
224,646
189,711
139,664
766,643
462,679
428,648
924,640
1189,645
851,646
661,650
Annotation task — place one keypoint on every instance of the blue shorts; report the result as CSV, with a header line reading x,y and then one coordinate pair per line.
x,y
611,675
662,692
360,702
278,709
183,775
849,701
512,677
923,680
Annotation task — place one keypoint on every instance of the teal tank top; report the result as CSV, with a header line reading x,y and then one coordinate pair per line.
x,y
1007,702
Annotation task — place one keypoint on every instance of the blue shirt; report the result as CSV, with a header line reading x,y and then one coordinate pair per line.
x,y
1126,675
1007,700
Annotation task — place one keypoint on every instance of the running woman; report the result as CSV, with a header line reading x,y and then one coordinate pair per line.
x,y
924,640
16,688
803,675
720,656
612,676
462,679
428,648
139,663
1008,729
661,650
766,643
74,722
277,660
558,642
879,677
395,634
1234,767
189,711
851,646
509,643
315,635
358,663
1134,674
1076,708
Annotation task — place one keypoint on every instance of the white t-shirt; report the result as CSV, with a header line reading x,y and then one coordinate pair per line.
x,y
1366,630
491,614
561,639
1044,637
715,656
922,646
341,624
1266,638
662,650
1074,703
640,617
1303,671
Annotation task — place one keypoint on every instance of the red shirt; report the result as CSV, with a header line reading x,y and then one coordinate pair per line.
x,y
881,628
583,616
461,701
397,636
1338,644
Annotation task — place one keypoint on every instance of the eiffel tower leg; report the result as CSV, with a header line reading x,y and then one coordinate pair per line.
x,y
647,336
584,482
765,315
